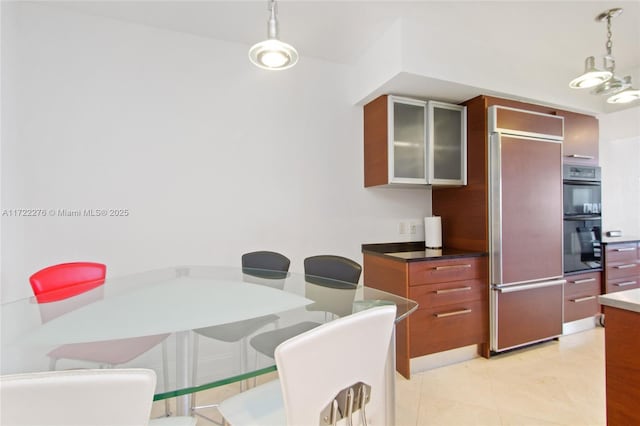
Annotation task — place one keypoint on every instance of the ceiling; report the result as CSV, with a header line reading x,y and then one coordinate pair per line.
x,y
551,34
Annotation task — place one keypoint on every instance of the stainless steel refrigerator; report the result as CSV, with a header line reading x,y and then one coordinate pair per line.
x,y
525,227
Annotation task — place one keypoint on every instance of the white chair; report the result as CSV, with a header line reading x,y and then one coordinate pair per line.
x,y
96,397
317,370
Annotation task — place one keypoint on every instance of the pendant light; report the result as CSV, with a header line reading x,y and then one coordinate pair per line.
x,y
592,76
273,54
625,96
604,81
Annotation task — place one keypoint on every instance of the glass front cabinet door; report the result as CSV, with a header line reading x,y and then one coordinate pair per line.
x,y
411,142
407,141
447,144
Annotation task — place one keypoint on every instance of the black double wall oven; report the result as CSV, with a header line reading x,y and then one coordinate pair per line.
x,y
582,220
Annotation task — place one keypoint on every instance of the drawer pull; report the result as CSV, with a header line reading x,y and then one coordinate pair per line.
x,y
626,283
625,249
452,290
442,268
450,314
583,299
627,266
582,157
586,280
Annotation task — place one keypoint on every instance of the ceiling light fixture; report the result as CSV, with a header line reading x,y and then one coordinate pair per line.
x,y
604,81
273,54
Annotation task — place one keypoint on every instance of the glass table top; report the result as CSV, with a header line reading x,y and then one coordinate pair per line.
x,y
198,327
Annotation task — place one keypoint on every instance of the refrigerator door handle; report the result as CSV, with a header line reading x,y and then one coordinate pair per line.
x,y
523,287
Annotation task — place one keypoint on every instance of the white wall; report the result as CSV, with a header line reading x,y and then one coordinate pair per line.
x,y
620,160
211,156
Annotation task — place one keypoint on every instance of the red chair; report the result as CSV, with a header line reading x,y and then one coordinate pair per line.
x,y
66,280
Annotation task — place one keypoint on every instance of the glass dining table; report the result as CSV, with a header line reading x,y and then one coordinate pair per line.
x,y
213,318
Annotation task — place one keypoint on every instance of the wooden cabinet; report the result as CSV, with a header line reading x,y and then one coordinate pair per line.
x,y
581,296
410,142
621,266
452,295
581,136
622,365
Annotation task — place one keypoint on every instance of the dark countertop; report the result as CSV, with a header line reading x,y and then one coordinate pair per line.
x,y
415,251
623,239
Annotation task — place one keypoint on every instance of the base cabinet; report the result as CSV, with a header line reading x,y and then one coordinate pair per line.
x,y
581,293
452,295
622,345
621,266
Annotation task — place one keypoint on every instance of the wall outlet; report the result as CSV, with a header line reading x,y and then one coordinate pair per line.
x,y
413,227
402,228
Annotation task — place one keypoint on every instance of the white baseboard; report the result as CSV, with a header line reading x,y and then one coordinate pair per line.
x,y
440,359
580,325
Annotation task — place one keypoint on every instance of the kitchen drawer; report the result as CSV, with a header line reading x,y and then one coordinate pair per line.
x,y
620,284
579,307
622,269
438,271
447,327
433,295
582,285
625,253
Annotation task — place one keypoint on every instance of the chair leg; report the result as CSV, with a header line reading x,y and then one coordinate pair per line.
x,y
165,374
194,371
243,363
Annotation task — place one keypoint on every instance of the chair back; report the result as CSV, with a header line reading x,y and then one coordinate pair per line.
x,y
332,271
105,397
265,264
65,280
315,366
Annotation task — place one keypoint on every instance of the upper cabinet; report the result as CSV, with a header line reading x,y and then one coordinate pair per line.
x,y
447,142
412,142
581,134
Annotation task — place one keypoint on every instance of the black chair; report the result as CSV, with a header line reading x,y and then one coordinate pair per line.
x,y
332,271
331,282
269,267
265,264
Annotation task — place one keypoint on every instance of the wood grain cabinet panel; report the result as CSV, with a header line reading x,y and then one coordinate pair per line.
x,y
448,292
438,271
581,136
441,328
529,122
581,296
622,345
621,266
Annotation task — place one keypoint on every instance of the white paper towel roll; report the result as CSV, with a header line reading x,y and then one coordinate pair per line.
x,y
433,232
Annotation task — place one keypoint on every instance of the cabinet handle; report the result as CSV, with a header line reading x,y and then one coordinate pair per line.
x,y
583,299
583,157
625,249
586,280
627,266
626,283
442,268
450,314
452,290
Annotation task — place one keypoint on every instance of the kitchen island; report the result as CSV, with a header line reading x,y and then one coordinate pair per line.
x,y
622,346
451,288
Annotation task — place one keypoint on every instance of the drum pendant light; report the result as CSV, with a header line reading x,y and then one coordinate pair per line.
x,y
273,54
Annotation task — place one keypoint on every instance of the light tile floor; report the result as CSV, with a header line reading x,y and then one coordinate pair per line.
x,y
555,383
